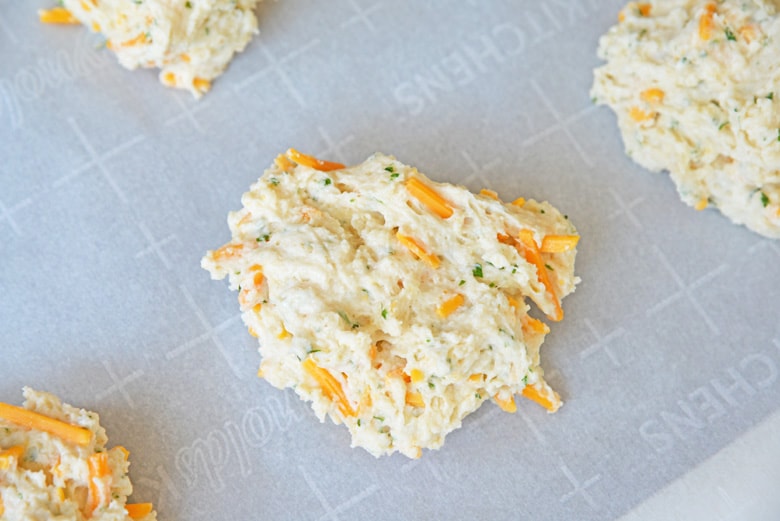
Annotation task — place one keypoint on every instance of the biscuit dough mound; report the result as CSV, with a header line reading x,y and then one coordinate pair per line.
x,y
395,304
190,41
59,468
695,85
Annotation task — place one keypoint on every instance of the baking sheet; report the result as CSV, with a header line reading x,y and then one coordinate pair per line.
x,y
112,188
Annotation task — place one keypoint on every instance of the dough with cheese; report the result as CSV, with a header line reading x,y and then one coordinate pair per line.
x,y
394,304
190,41
58,467
695,85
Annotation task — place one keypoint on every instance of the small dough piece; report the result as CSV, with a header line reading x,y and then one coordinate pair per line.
x,y
695,85
395,304
191,41
45,476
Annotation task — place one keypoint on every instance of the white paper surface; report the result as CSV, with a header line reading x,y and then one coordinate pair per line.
x,y
112,188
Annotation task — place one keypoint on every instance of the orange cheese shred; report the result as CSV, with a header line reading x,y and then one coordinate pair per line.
x,y
202,85
17,451
489,193
414,399
138,510
36,421
449,306
311,161
652,95
549,400
98,468
227,251
429,197
534,256
507,405
707,22
57,15
418,250
331,388
640,115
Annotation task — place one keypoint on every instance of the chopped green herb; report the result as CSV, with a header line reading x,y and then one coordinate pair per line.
x,y
274,181
764,199
492,284
384,313
394,176
514,270
525,379
720,127
477,396
239,287
346,319
358,422
327,181
730,35
380,418
771,95
541,210
430,384
264,238
314,351
188,4
549,267
390,169
477,271
462,282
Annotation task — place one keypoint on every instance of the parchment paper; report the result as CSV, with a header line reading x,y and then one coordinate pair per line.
x,y
113,187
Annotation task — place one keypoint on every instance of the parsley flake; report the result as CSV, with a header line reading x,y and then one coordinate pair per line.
x,y
274,181
462,282
394,176
730,35
188,4
549,267
390,169
771,95
764,199
327,181
477,271
264,238
384,313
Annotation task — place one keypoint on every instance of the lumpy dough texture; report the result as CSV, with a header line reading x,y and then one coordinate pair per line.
x,y
394,304
45,476
696,89
190,41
